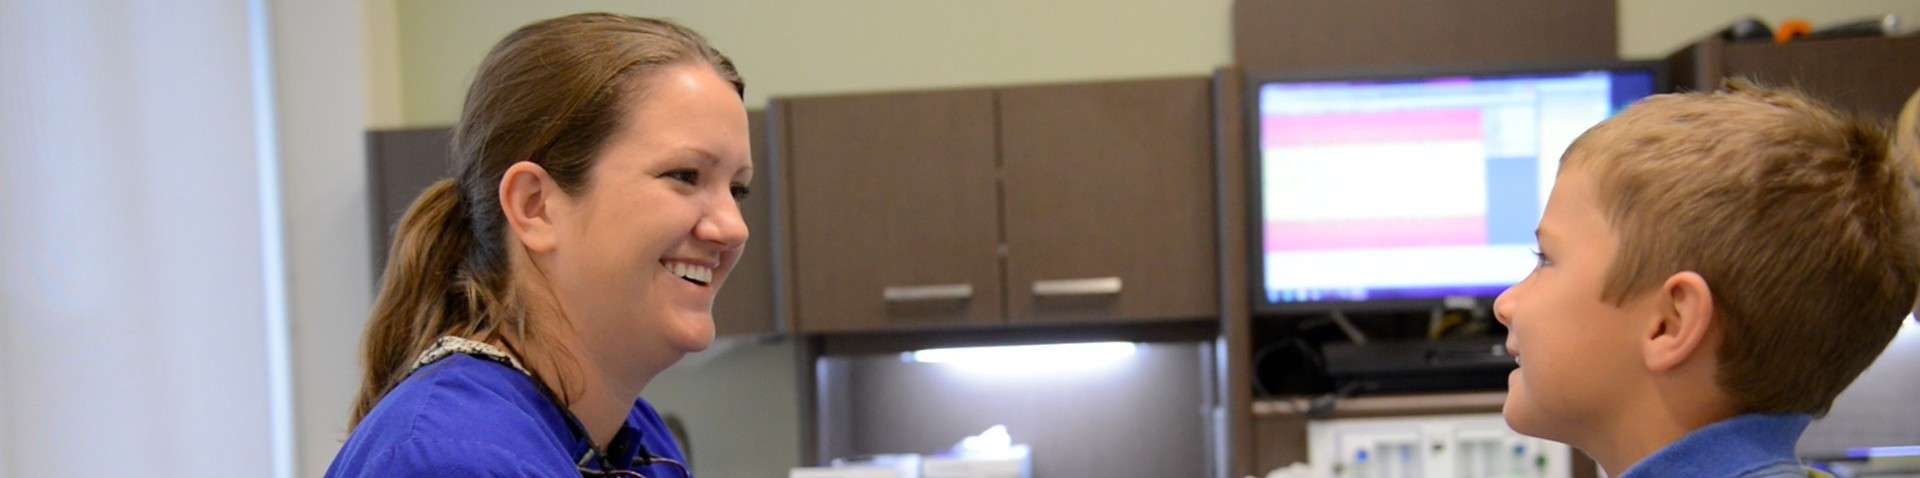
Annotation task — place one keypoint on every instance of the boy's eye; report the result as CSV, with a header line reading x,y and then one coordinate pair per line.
x,y
1541,260
689,176
740,192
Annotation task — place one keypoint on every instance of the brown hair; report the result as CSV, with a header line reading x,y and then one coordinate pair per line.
x,y
550,93
1792,211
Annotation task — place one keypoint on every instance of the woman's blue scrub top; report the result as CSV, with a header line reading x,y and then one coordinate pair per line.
x,y
471,416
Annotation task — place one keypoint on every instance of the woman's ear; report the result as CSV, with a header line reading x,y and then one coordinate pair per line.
x,y
1685,319
525,193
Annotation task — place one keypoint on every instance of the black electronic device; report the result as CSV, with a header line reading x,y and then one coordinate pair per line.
x,y
1419,366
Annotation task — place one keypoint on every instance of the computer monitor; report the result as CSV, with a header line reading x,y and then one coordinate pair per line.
x,y
1410,190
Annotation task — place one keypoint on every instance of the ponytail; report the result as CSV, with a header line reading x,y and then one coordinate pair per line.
x,y
418,291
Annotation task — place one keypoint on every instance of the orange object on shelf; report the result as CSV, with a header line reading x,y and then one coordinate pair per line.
x,y
1792,29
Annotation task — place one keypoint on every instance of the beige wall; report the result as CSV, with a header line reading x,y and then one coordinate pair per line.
x,y
421,53
383,64
844,45
1652,28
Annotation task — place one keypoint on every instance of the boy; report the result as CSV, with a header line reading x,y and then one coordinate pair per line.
x,y
1714,269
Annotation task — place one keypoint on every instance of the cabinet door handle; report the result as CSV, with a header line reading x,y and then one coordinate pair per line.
x,y
922,293
1076,287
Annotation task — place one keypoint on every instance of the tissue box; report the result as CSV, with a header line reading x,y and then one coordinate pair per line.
x,y
852,472
893,465
1015,462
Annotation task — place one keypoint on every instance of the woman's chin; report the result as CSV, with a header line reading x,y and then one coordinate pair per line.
x,y
692,334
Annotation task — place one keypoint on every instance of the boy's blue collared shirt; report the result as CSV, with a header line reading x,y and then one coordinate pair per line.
x,y
1742,446
469,416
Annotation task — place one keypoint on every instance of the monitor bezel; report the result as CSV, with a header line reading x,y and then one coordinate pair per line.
x,y
1256,256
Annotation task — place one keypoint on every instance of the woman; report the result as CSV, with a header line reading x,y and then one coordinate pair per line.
x,y
576,253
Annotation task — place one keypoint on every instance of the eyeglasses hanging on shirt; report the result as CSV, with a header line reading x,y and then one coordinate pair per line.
x,y
644,460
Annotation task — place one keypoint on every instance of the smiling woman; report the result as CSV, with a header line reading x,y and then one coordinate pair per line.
x,y
575,254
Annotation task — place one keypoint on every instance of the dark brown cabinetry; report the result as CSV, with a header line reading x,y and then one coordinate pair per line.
x,y
974,208
1109,201
1871,76
894,223
745,305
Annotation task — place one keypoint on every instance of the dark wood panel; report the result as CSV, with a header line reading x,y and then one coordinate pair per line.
x,y
1279,441
893,190
1697,66
869,343
1872,76
1110,181
745,304
1319,35
1236,324
400,164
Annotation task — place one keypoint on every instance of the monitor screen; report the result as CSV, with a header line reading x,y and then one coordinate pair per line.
x,y
1384,190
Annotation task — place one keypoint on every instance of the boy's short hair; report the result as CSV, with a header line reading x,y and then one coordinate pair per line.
x,y
1802,224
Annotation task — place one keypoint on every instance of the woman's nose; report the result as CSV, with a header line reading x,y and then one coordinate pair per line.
x,y
724,225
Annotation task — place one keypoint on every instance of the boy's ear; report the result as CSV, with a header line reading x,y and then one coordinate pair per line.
x,y
525,190
1685,318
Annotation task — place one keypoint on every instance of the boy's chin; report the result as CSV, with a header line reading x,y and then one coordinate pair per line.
x,y
1520,415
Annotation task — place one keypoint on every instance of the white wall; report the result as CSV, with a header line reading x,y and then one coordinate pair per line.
x,y
740,404
320,68
133,269
183,207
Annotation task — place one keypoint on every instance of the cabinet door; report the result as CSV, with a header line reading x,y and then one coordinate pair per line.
x,y
894,217
745,304
1872,76
1109,201
401,164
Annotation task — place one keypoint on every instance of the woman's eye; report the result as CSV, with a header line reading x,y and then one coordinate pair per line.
x,y
740,192
688,176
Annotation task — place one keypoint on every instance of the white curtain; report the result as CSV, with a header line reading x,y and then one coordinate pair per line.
x,y
168,258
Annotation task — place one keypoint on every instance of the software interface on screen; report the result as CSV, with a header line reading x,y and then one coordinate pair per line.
x,y
1416,189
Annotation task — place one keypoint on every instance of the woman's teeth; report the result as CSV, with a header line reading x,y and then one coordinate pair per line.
x,y
694,273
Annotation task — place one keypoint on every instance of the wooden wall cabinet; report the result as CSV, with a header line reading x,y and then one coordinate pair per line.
x,y
1076,203
1109,184
1870,76
1362,35
745,306
894,222
401,163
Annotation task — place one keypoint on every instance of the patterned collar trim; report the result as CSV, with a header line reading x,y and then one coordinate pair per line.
x,y
450,345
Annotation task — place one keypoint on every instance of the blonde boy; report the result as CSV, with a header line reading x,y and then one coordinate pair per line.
x,y
1714,269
